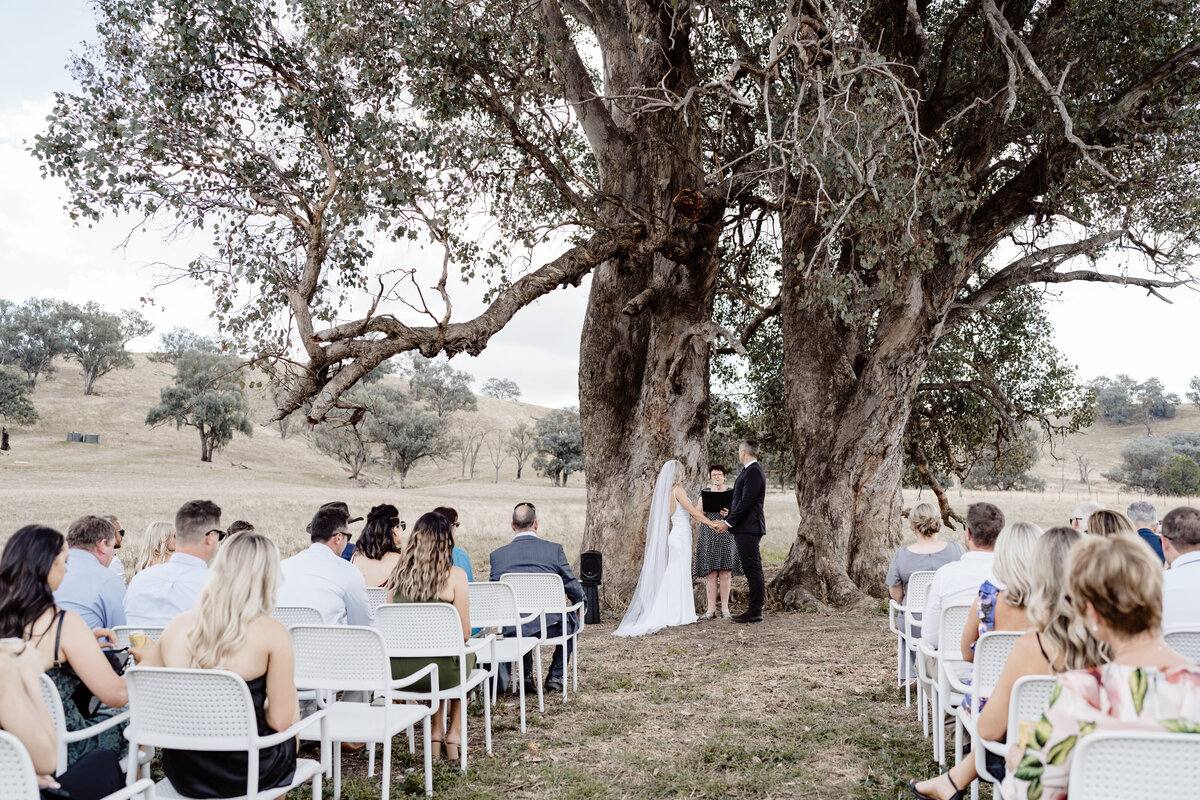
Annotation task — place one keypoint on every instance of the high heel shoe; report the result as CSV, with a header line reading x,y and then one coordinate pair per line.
x,y
452,752
435,748
709,615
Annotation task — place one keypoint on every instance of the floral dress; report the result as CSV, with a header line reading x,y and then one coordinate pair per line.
x,y
988,594
1115,697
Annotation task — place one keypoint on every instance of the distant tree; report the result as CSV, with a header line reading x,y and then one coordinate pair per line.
x,y
178,341
16,404
1194,395
405,433
1181,477
440,386
96,339
522,440
31,336
377,374
1007,466
1122,400
207,394
1155,401
340,435
1185,444
1155,466
501,389
559,445
725,429
496,447
470,436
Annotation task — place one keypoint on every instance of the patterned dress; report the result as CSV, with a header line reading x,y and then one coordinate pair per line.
x,y
715,551
988,594
1114,697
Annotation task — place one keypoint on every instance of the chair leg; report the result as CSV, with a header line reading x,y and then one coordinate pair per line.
x,y
537,664
575,666
385,771
521,688
370,759
462,710
337,770
487,730
428,757
316,787
411,740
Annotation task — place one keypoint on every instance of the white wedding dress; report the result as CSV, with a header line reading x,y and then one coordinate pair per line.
x,y
663,596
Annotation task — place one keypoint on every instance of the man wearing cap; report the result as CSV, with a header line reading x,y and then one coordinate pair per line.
x,y
319,578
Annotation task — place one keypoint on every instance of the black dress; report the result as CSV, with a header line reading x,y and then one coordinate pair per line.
x,y
223,774
715,551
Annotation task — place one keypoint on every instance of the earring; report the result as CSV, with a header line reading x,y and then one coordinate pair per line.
x,y
1095,628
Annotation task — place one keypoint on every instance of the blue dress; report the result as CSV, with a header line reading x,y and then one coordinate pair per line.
x,y
988,594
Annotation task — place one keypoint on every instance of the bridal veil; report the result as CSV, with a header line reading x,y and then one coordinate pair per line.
x,y
654,563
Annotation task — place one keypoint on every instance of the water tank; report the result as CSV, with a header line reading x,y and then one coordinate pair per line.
x,y
74,437
91,438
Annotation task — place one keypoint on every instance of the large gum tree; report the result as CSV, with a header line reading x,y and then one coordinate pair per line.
x,y
903,165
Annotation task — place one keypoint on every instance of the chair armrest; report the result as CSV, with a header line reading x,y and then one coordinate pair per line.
x,y
998,748
293,731
571,609
429,669
97,729
523,620
957,685
144,786
488,642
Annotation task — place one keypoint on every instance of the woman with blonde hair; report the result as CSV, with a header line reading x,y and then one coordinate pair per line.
x,y
157,546
231,628
1115,586
1107,522
1000,605
425,574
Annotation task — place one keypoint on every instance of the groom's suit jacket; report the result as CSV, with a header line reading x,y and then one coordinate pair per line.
x,y
746,513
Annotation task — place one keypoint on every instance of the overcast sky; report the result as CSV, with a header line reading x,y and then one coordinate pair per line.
x,y
1101,328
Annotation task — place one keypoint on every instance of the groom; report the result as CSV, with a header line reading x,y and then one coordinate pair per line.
x,y
748,525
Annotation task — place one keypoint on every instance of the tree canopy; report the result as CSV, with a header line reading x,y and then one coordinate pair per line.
x,y
96,339
16,404
206,394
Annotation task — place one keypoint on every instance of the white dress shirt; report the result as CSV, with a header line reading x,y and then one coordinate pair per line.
x,y
159,594
319,579
117,567
1181,593
954,584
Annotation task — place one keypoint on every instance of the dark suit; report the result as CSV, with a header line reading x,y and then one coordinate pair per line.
x,y
527,553
748,524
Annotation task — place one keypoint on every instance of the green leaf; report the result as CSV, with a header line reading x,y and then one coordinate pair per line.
x,y
1059,753
1138,686
1054,694
1030,768
1180,726
1086,728
1035,789
1041,733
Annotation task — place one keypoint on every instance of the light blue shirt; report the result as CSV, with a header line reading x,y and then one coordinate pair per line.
x,y
459,558
92,591
159,594
319,579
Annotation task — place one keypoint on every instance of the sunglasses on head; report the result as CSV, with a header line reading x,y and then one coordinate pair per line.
x,y
519,505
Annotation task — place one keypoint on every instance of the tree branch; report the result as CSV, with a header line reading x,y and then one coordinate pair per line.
x,y
595,119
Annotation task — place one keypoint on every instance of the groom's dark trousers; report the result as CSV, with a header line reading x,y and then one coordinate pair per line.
x,y
748,524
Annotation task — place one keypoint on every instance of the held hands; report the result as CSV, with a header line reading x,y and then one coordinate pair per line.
x,y
719,525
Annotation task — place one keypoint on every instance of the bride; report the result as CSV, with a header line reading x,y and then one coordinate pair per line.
x,y
663,595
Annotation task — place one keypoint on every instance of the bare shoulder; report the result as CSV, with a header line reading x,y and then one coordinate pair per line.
x,y
268,627
458,575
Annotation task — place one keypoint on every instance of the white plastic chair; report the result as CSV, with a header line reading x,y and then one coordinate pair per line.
x,y
337,657
65,737
377,596
991,651
494,605
18,780
297,615
1119,766
434,630
1185,641
208,710
123,631
542,593
1026,703
949,653
900,623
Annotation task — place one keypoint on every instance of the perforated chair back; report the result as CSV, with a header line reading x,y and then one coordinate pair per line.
x,y
123,631
339,657
53,702
493,605
536,591
1028,702
917,591
991,651
1119,766
953,620
297,615
18,781
377,596
190,709
1185,641
420,629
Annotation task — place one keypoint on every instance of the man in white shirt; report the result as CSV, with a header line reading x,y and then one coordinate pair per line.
x,y
958,582
1079,517
320,578
158,594
1181,583
116,566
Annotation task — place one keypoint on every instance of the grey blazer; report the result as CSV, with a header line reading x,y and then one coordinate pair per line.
x,y
531,554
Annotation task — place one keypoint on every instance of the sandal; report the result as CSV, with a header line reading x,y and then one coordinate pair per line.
x,y
958,793
709,615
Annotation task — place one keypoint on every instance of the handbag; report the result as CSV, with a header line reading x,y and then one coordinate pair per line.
x,y
87,703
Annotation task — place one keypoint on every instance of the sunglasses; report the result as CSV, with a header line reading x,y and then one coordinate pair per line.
x,y
519,505
220,534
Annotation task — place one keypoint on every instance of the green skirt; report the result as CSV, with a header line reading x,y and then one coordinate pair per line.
x,y
447,671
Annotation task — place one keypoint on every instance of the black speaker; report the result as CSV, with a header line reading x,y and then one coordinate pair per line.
x,y
591,567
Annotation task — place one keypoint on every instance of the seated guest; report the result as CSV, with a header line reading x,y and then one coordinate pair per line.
x,y
1057,642
461,558
161,593
348,550
319,578
1079,517
959,581
1181,583
1115,585
90,589
1144,516
231,628
378,548
115,565
424,574
237,526
927,553
529,553
32,568
158,546
1107,523
25,716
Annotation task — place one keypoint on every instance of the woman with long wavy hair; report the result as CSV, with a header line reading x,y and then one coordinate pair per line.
x,y
231,628
377,550
158,545
424,574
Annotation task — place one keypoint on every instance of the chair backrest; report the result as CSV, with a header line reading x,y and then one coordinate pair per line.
x,y
190,709
991,651
297,615
339,657
493,605
1027,703
536,591
917,591
122,632
53,702
1118,766
950,628
420,629
1185,641
18,781
377,596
